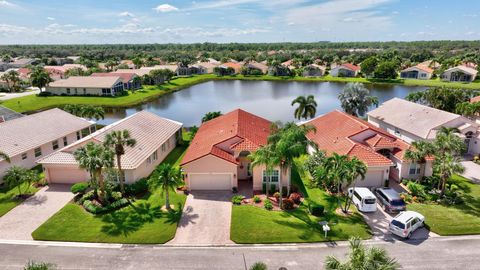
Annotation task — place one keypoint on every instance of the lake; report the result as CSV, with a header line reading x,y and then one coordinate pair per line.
x,y
269,99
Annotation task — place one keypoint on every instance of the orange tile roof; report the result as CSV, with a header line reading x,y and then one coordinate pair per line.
x,y
351,66
475,99
235,66
247,132
341,133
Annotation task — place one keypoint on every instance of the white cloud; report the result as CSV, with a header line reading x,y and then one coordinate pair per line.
x,y
165,8
51,18
231,3
126,14
4,3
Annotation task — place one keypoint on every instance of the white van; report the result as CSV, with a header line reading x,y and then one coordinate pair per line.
x,y
363,199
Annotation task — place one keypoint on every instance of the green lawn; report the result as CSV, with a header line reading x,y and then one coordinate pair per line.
x,y
7,197
142,222
251,224
457,219
34,102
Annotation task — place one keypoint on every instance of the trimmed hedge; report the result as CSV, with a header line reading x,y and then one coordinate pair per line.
x,y
317,210
96,209
79,187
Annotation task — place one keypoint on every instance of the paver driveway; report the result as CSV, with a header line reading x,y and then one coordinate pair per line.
x,y
206,219
21,221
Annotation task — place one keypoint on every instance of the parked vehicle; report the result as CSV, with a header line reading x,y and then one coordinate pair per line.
x,y
405,223
363,199
390,199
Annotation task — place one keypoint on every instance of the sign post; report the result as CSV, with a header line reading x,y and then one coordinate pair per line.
x,y
325,227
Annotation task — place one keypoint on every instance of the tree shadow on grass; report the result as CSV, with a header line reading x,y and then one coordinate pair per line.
x,y
126,222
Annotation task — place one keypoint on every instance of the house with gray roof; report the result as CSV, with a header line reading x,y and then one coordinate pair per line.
x,y
82,85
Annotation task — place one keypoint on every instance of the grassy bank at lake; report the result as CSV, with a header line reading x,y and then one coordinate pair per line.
x,y
147,93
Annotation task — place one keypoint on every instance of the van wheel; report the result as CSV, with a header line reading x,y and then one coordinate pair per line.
x,y
409,235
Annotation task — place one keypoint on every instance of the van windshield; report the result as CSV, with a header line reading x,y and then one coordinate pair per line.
x,y
369,201
398,224
397,203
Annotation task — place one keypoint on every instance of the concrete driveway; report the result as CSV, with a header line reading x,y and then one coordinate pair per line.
x,y
21,221
472,171
206,219
379,221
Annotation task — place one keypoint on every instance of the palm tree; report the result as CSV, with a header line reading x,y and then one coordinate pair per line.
x,y
361,258
15,176
263,156
210,115
355,99
12,80
93,158
5,156
169,178
307,107
118,140
92,112
355,169
39,77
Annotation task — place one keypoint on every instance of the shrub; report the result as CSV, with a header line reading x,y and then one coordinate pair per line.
x,y
316,209
258,266
268,204
31,265
288,204
416,189
139,187
256,199
94,208
79,188
237,199
116,196
45,94
276,195
87,196
295,197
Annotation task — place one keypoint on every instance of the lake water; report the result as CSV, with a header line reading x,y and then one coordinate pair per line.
x,y
269,99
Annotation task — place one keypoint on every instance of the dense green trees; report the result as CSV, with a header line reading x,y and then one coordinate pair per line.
x,y
210,115
386,70
85,111
443,98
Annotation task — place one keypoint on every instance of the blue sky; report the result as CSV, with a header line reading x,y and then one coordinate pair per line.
x,y
137,21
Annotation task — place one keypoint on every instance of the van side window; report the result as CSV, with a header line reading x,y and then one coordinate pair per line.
x,y
357,196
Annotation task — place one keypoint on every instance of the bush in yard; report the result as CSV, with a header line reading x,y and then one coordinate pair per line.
x,y
256,199
137,188
95,208
80,188
31,265
87,196
237,199
288,204
268,204
295,197
316,209
276,195
258,266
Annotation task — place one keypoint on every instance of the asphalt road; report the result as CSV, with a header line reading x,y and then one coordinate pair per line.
x,y
434,253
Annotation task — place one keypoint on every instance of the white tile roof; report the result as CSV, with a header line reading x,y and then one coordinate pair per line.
x,y
148,129
414,118
87,82
26,133
464,69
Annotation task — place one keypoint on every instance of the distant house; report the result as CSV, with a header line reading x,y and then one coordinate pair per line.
x,y
59,72
139,72
205,67
419,72
128,79
313,70
459,74
128,63
26,139
345,70
382,153
155,138
79,85
260,67
411,122
431,64
22,62
236,66
288,64
6,114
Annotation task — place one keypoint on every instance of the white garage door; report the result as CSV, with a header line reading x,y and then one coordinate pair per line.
x,y
210,181
372,179
67,175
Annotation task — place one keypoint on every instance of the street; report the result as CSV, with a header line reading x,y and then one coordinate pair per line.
x,y
434,253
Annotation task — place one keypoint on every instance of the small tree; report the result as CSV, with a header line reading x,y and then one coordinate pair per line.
x,y
16,176
210,115
169,178
39,77
12,79
4,156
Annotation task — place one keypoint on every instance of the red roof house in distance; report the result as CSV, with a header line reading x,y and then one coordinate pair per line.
x,y
217,158
344,134
345,70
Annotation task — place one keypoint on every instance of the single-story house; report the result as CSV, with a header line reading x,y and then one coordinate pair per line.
x,y
82,85
345,70
217,158
288,64
314,70
205,67
236,66
22,62
258,66
129,63
26,139
139,72
127,79
459,74
155,138
419,72
382,153
411,122
431,64
7,114
59,72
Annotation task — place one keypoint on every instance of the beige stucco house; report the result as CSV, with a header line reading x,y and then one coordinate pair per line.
x,y
382,153
459,74
345,70
31,137
155,138
83,85
217,158
411,122
419,72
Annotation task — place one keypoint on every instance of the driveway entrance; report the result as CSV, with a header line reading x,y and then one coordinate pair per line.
x,y
21,221
206,219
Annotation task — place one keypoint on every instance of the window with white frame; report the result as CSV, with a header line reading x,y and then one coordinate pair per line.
x,y
414,169
38,152
65,141
79,136
55,145
272,176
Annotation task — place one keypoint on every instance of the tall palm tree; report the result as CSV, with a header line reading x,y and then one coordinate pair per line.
x,y
118,140
92,112
169,178
307,107
263,156
355,169
94,158
361,258
5,156
355,99
39,77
